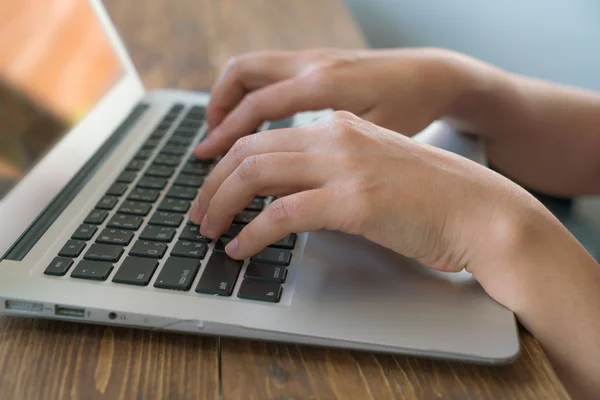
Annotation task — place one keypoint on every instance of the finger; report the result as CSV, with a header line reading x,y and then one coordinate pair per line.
x,y
300,212
270,103
246,73
281,140
263,174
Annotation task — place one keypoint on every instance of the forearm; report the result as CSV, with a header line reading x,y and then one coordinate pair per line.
x,y
545,136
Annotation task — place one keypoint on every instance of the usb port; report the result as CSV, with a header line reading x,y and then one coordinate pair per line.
x,y
69,312
19,305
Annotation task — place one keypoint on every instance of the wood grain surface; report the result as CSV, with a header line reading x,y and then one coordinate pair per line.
x,y
182,44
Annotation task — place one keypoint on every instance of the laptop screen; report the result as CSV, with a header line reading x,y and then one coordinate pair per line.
x,y
56,63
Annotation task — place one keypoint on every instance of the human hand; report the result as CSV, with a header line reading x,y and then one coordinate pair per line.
x,y
403,90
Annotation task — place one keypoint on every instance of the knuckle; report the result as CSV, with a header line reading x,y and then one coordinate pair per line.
x,y
233,64
240,147
250,167
284,209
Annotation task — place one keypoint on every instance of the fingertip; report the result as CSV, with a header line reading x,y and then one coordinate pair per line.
x,y
207,149
232,249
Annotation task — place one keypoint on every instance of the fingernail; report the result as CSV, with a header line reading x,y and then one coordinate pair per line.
x,y
232,247
204,226
194,213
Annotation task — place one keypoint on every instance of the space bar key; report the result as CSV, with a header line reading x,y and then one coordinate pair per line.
x,y
220,275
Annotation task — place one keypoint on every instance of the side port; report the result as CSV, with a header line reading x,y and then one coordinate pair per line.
x,y
69,312
19,305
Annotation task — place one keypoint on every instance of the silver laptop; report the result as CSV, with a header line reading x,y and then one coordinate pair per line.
x,y
97,175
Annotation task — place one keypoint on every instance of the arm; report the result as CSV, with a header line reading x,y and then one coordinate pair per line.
x,y
545,136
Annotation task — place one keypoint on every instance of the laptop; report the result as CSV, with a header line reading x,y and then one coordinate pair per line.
x,y
98,176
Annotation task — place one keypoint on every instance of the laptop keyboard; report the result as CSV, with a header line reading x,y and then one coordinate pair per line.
x,y
139,230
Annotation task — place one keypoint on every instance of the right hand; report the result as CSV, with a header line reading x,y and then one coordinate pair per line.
x,y
403,90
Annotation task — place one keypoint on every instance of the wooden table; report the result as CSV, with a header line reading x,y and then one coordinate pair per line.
x,y
181,44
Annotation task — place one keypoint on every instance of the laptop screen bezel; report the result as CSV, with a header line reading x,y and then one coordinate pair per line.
x,y
24,203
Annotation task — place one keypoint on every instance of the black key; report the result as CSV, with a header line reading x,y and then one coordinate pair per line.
x,y
151,143
84,232
122,221
173,150
161,171
180,141
59,266
177,274
163,218
146,248
144,154
196,169
169,161
273,256
194,160
186,132
115,236
135,165
145,195
127,177
260,290
220,245
93,270
158,233
182,192
189,180
266,272
149,182
287,242
96,217
135,208
176,108
165,125
257,205
196,112
233,231
117,189
158,134
175,205
189,250
170,118
107,203
104,252
136,271
192,233
72,249
245,217
190,124
220,275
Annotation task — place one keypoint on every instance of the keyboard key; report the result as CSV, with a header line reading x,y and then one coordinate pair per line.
x,y
233,231
107,203
59,266
190,250
174,205
186,132
163,218
151,143
146,248
190,124
72,248
220,275
257,205
193,160
96,217
260,290
127,177
192,233
220,245
135,165
169,161
93,270
149,182
287,242
189,180
122,221
104,252
173,150
84,232
196,169
266,272
115,236
160,171
245,217
179,141
144,154
145,195
117,189
182,192
135,208
177,274
158,233
136,271
273,256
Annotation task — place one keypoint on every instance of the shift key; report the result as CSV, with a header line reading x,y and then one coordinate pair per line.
x,y
220,275
177,274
